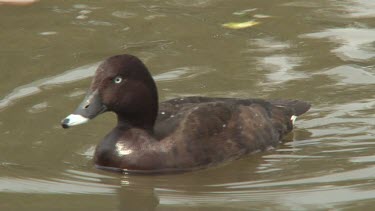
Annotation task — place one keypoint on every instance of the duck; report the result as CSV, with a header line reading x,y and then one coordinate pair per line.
x,y
180,134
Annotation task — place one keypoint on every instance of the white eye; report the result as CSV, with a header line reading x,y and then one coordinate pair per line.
x,y
117,80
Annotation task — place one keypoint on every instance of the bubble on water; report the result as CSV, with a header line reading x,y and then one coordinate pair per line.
x,y
151,17
47,33
124,14
84,12
100,23
76,93
81,17
80,6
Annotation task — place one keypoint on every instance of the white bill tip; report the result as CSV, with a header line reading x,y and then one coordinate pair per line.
x,y
74,119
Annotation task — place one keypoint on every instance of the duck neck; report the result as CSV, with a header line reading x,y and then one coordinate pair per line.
x,y
145,122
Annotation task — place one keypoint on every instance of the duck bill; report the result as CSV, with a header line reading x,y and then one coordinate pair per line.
x,y
90,107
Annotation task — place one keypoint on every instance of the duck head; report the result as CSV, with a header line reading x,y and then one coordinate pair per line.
x,y
122,84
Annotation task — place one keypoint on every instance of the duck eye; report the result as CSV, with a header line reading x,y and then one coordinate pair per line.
x,y
117,80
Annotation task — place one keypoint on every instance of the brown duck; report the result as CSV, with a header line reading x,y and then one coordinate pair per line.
x,y
179,134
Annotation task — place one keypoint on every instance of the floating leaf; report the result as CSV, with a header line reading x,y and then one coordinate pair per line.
x,y
240,25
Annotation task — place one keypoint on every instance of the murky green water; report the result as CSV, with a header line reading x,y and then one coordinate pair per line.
x,y
319,51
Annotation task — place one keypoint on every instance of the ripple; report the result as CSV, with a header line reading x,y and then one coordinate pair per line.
x,y
36,86
99,23
53,186
124,14
363,159
267,45
281,68
37,108
87,71
325,197
288,199
245,11
183,73
353,42
360,8
191,3
48,33
306,4
346,74
282,156
88,152
353,175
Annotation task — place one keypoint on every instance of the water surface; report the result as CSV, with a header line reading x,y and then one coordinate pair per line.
x,y
318,51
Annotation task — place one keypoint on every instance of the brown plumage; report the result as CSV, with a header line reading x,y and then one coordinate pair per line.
x,y
179,134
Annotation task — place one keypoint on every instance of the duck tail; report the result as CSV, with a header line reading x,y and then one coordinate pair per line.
x,y
298,107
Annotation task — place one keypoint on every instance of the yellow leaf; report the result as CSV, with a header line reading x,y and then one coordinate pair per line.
x,y
240,25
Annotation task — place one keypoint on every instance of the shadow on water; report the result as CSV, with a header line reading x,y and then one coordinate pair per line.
x,y
191,189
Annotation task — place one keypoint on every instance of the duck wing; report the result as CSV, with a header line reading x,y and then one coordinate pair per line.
x,y
174,111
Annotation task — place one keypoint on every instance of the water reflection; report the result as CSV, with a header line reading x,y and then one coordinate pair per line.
x,y
36,87
70,182
359,9
281,68
356,44
58,186
352,74
296,194
87,71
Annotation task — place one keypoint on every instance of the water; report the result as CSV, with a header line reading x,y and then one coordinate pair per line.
x,y
319,51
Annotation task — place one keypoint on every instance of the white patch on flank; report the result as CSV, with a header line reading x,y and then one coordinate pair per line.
x,y
293,118
122,150
76,119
